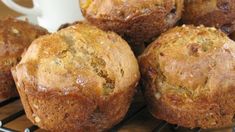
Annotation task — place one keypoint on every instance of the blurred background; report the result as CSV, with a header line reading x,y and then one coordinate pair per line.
x,y
7,12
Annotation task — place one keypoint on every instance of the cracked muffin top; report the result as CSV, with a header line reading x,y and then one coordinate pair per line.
x,y
125,9
79,58
190,63
15,36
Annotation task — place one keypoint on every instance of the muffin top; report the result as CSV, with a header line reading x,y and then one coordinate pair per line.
x,y
189,63
79,58
124,10
15,36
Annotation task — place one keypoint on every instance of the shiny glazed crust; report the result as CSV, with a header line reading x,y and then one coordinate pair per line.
x,y
189,77
15,36
78,79
139,22
216,13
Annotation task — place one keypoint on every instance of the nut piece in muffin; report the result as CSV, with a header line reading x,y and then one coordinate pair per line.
x,y
189,77
15,36
212,13
138,21
78,79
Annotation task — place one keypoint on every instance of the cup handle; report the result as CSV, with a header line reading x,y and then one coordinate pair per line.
x,y
28,11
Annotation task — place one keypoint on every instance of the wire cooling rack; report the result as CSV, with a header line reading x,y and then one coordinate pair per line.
x,y
137,119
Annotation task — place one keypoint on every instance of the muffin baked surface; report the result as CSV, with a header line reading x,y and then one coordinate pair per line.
x,y
138,21
189,77
216,13
80,78
15,36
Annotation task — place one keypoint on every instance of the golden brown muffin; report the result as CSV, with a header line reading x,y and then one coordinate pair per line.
x,y
189,77
78,79
15,36
213,13
138,21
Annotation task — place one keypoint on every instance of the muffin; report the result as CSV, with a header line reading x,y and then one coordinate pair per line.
x,y
78,79
213,13
15,36
189,77
138,21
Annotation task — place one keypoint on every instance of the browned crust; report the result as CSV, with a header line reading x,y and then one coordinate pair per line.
x,y
15,36
197,116
222,16
139,29
209,110
139,34
221,106
98,91
74,112
7,86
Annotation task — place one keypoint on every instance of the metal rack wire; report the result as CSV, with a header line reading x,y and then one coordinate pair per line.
x,y
130,115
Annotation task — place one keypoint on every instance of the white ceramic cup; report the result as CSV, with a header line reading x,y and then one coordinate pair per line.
x,y
51,14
